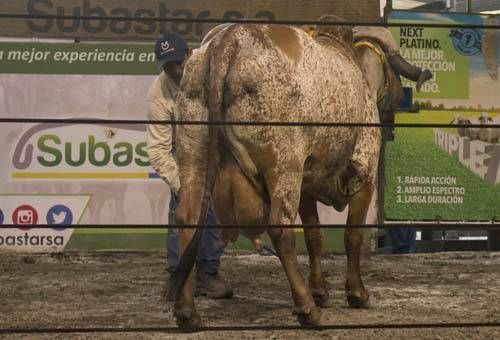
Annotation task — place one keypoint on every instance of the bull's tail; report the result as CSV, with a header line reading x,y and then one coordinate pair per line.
x,y
222,51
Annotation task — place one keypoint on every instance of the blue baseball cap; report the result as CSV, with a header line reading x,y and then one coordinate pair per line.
x,y
171,47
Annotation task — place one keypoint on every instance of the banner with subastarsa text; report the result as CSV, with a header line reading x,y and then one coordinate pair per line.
x,y
447,173
60,174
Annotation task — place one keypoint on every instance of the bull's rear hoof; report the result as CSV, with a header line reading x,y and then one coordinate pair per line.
x,y
308,317
187,319
358,299
323,301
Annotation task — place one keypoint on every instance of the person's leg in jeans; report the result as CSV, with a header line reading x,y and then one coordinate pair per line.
x,y
208,281
403,240
210,250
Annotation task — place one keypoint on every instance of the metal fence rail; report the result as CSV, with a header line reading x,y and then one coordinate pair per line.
x,y
419,225
176,330
239,123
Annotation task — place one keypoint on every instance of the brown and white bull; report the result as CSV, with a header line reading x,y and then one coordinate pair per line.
x,y
382,65
276,73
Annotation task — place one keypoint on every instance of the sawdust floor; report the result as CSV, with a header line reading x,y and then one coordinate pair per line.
x,y
124,290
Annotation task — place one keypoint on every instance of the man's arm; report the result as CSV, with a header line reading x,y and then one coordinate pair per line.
x,y
159,138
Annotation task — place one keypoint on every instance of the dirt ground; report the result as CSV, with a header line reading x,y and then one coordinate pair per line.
x,y
124,290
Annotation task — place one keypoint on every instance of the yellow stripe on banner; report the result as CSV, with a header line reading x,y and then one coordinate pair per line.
x,y
299,230
80,175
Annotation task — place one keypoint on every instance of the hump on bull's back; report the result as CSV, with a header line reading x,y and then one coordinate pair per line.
x,y
286,40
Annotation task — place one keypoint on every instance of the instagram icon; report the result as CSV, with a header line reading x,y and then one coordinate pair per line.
x,y
25,214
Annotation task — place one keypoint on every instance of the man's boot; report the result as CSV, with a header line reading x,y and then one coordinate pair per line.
x,y
212,285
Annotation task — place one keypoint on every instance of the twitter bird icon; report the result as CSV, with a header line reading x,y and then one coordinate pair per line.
x,y
60,214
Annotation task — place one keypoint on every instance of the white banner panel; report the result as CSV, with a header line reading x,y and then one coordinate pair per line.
x,y
29,210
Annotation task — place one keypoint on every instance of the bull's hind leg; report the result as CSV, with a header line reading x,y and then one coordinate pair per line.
x,y
192,166
284,204
184,309
314,241
357,295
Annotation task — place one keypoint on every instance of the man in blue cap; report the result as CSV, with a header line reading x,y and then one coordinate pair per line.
x,y
171,53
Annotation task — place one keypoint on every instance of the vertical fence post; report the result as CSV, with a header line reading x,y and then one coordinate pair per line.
x,y
494,240
387,10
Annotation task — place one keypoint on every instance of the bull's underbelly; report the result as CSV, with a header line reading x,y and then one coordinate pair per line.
x,y
322,178
324,160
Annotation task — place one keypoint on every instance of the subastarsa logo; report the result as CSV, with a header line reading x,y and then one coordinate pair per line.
x,y
27,240
81,152
155,9
55,151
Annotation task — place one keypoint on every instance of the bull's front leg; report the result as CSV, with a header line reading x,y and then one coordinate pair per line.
x,y
284,206
357,295
314,241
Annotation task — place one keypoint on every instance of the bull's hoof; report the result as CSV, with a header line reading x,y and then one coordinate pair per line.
x,y
323,300
308,316
358,299
187,318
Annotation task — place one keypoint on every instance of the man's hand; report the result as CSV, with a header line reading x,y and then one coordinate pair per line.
x,y
175,185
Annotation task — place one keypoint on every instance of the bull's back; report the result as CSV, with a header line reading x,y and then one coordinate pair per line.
x,y
286,69
279,73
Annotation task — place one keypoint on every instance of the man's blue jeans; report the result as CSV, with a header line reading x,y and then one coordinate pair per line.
x,y
210,249
403,240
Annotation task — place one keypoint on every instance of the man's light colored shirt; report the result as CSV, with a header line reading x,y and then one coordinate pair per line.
x,y
161,106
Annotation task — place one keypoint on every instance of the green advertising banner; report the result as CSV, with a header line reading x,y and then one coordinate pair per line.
x,y
435,49
443,174
447,174
77,58
432,48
